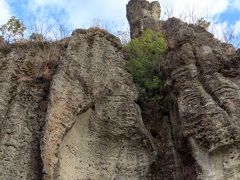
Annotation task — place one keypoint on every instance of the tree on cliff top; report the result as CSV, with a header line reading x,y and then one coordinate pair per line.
x,y
13,30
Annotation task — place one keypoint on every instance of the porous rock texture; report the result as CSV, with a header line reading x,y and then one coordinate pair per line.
x,y
93,126
68,109
199,138
68,112
139,12
26,74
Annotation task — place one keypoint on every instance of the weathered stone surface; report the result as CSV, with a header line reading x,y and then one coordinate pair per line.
x,y
68,111
141,12
94,128
204,81
26,73
203,75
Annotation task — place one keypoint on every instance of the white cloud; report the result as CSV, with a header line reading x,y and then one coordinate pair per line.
x,y
235,4
108,10
190,10
219,30
237,27
5,12
81,13
226,32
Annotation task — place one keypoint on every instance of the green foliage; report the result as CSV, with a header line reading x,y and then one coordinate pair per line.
x,y
203,23
146,62
13,30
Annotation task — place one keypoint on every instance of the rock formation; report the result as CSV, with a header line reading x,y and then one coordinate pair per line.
x,y
68,109
140,12
26,75
93,126
200,137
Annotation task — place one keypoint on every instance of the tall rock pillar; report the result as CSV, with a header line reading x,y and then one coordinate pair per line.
x,y
140,12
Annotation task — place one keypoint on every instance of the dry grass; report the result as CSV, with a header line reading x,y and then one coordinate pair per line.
x,y
98,30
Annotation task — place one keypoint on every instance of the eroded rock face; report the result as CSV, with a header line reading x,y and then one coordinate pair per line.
x,y
69,112
140,12
94,128
205,80
26,73
203,133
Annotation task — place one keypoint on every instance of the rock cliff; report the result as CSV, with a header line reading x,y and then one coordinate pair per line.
x,y
68,109
199,139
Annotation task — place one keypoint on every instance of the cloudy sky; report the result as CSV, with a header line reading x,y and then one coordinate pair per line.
x,y
84,13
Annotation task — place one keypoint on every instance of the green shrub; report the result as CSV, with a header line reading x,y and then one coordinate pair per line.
x,y
146,62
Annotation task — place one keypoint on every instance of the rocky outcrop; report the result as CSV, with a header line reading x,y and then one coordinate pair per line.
x,y
200,136
140,13
26,74
204,76
93,126
68,111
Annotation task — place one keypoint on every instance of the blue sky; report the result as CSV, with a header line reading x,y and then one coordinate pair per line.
x,y
84,13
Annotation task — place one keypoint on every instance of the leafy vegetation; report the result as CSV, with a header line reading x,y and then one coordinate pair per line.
x,y
13,30
146,62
